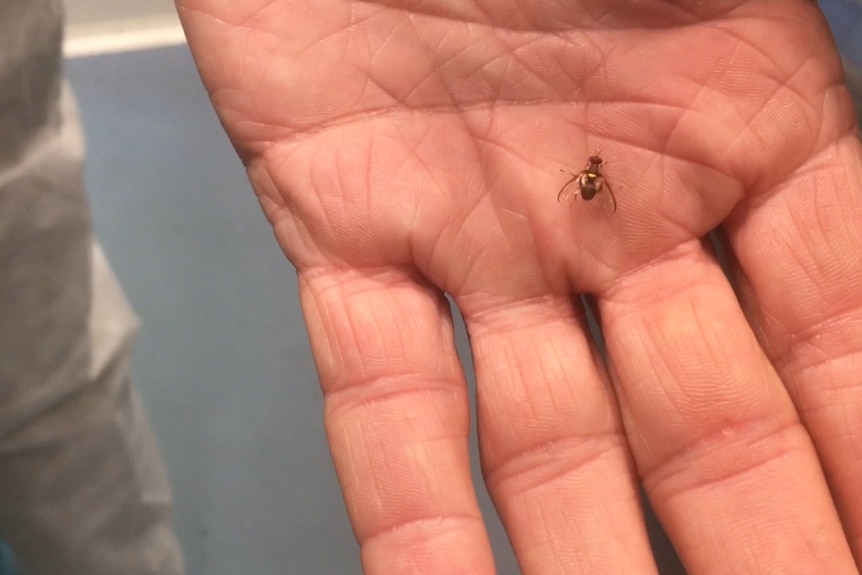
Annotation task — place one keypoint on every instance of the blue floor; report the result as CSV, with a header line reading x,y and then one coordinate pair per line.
x,y
222,363
7,564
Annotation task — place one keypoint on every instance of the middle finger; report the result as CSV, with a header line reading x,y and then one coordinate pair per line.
x,y
554,455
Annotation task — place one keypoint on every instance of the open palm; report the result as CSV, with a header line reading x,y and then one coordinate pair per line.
x,y
403,150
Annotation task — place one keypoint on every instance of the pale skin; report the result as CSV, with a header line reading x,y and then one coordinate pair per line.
x,y
403,150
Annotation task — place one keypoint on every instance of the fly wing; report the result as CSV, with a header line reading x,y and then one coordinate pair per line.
x,y
608,199
568,192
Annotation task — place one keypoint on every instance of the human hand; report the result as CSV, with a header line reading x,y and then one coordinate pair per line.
x,y
406,149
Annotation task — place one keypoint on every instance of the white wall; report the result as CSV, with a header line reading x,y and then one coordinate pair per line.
x,y
90,11
105,26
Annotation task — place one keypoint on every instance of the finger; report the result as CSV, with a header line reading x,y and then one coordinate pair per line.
x,y
728,467
666,558
800,257
553,453
397,419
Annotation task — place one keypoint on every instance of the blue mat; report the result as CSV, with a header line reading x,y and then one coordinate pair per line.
x,y
7,566
845,19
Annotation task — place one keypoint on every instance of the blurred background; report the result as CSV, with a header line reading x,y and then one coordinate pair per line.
x,y
223,363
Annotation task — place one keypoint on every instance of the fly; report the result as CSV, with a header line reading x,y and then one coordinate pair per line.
x,y
590,183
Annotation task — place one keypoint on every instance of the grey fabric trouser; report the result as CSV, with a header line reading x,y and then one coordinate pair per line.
x,y
82,488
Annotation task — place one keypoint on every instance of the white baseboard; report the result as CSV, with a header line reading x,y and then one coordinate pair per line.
x,y
125,35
